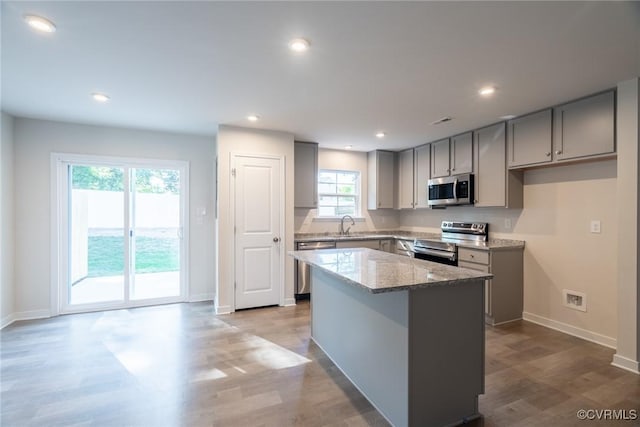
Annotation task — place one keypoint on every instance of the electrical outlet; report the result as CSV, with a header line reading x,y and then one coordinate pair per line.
x,y
574,299
507,223
595,226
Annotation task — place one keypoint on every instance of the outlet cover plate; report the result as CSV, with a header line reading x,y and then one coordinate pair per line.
x,y
574,300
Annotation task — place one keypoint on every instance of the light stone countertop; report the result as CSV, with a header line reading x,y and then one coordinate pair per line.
x,y
378,271
492,244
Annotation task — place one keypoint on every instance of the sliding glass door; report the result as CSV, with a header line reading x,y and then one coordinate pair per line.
x,y
122,232
97,234
155,237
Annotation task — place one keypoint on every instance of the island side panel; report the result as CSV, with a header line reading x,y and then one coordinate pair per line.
x,y
446,353
366,336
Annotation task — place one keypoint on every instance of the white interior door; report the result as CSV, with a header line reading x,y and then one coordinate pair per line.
x,y
258,231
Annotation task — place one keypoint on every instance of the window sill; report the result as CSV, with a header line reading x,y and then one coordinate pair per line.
x,y
336,219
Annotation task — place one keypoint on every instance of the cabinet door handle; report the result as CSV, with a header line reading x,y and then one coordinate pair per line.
x,y
548,153
559,152
453,169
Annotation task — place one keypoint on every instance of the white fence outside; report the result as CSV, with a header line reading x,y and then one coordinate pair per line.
x,y
96,210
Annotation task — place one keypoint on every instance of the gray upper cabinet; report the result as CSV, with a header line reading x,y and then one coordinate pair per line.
x,y
585,127
494,186
462,153
422,163
529,139
306,174
575,131
452,156
490,178
440,158
381,179
405,179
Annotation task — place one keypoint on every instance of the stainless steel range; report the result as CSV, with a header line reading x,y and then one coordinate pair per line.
x,y
445,250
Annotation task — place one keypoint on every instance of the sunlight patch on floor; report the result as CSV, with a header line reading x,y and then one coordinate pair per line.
x,y
146,349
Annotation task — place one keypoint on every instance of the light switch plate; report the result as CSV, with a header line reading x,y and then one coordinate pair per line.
x,y
595,226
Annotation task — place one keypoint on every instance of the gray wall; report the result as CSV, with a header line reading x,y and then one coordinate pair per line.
x,y
7,241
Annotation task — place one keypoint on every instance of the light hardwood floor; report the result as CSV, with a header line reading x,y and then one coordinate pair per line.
x,y
180,365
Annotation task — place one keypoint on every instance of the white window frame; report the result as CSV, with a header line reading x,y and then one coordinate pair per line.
x,y
60,231
358,195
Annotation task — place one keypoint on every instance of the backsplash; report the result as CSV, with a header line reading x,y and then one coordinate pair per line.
x,y
429,220
423,220
383,219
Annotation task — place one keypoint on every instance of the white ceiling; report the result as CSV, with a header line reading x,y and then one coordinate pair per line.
x,y
391,66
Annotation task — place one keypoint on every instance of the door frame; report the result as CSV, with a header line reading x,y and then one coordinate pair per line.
x,y
282,212
59,259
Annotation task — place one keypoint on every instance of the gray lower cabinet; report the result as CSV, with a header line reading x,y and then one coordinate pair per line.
x,y
494,185
585,128
529,139
306,174
371,244
385,245
504,293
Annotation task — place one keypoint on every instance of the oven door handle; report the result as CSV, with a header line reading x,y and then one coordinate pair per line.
x,y
451,256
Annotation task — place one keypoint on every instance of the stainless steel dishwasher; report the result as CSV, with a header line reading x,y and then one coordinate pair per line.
x,y
302,274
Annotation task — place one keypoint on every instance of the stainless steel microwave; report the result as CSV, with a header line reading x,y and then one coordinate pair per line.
x,y
450,191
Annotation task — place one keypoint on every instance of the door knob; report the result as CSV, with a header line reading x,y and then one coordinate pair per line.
x,y
276,239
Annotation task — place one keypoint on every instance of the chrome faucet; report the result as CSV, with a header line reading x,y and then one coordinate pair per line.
x,y
344,232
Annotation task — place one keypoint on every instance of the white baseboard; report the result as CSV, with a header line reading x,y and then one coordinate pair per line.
x,y
223,309
7,320
626,364
25,315
202,297
571,330
289,302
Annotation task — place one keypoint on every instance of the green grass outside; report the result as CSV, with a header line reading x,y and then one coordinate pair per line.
x,y
153,255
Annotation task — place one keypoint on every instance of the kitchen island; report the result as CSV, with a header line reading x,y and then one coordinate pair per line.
x,y
409,334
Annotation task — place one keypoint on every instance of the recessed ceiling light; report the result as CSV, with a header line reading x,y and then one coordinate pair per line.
x,y
348,147
299,45
380,135
507,117
100,97
487,91
253,118
39,23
